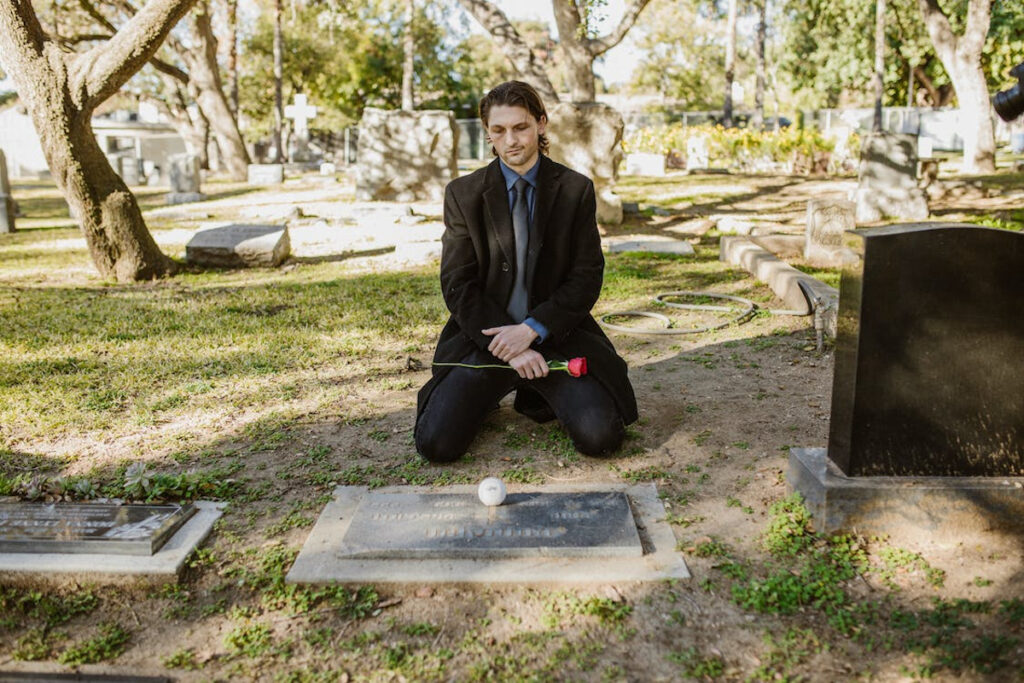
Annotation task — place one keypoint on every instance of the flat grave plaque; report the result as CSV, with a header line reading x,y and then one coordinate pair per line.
x,y
458,526
89,527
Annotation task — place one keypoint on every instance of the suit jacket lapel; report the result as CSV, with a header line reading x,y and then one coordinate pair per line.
x,y
547,191
500,213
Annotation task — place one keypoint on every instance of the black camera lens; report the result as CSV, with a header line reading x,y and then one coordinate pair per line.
x,y
1009,104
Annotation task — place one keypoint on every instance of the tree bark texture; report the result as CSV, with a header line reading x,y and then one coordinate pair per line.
x,y
762,32
512,46
205,76
61,91
408,57
961,56
581,51
879,63
232,65
278,80
730,63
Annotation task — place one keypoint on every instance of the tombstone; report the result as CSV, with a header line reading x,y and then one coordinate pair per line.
x,y
328,168
651,244
266,174
300,113
184,175
130,171
697,155
239,246
645,163
89,527
928,390
827,222
8,208
587,137
581,533
406,155
888,179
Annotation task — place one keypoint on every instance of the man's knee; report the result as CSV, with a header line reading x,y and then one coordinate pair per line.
x,y
438,445
598,437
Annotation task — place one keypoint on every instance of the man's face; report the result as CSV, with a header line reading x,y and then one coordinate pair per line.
x,y
515,134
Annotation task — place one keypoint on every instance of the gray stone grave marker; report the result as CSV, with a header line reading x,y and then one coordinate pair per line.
x,y
88,527
300,113
928,389
888,179
406,155
239,246
266,174
697,156
7,205
827,222
561,534
130,171
452,525
184,174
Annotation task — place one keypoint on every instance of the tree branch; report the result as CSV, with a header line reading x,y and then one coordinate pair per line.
x,y
101,71
511,45
599,46
941,32
979,16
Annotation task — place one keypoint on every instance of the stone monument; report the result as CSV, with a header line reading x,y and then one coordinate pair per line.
x,y
266,174
928,391
564,534
888,179
239,246
7,206
406,156
587,137
184,174
300,113
827,222
697,156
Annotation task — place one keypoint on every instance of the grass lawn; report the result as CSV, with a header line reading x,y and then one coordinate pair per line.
x,y
266,388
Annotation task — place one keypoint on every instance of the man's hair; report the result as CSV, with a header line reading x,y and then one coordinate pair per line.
x,y
515,94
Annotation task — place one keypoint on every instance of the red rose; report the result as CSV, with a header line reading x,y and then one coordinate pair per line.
x,y
577,367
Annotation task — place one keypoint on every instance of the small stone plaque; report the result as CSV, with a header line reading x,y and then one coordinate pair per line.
x,y
458,526
88,527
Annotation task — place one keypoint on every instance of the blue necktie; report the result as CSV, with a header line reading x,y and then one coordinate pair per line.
x,y
517,304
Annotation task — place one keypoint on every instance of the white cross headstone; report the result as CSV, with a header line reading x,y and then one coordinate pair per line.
x,y
300,112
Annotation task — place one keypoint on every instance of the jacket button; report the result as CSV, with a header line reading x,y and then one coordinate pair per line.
x,y
504,266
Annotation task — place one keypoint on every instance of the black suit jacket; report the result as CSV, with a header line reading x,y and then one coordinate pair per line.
x,y
564,271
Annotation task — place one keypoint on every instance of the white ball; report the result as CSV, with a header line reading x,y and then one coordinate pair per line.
x,y
491,491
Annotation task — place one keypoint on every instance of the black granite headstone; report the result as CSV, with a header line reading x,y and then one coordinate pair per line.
x,y
929,369
89,527
458,526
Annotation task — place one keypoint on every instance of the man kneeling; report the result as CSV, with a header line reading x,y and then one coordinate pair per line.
x,y
521,267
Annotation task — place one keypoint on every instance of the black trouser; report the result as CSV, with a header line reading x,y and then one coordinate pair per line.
x,y
460,402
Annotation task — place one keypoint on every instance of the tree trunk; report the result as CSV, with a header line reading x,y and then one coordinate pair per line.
x,y
232,66
879,63
408,62
512,46
61,90
762,30
278,78
205,76
961,56
579,60
730,63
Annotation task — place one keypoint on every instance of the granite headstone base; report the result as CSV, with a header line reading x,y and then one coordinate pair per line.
x,y
548,534
266,174
239,246
887,185
184,197
910,508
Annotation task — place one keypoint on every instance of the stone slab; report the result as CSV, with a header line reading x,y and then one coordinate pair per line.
x,y
645,164
88,527
457,526
165,563
266,174
321,561
905,507
797,289
652,244
184,197
239,246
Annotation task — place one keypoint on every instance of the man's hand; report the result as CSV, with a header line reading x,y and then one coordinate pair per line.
x,y
510,340
529,364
